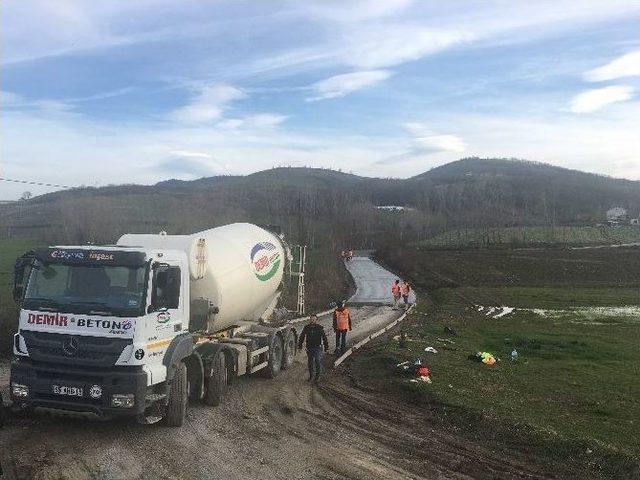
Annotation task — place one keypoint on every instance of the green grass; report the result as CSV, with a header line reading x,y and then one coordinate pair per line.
x,y
564,235
557,297
574,389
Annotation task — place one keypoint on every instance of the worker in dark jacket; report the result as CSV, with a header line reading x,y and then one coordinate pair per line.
x,y
341,323
313,332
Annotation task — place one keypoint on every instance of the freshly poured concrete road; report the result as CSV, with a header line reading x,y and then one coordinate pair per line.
x,y
373,283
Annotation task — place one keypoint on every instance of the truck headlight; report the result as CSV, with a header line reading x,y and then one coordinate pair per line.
x,y
19,346
19,391
123,400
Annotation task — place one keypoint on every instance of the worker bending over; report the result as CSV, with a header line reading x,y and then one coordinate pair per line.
x,y
341,323
395,293
316,339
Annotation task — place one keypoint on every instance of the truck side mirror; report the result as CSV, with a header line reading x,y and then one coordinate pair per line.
x,y
21,272
18,294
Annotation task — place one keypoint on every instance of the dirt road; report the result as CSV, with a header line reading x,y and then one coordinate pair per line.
x,y
373,283
266,429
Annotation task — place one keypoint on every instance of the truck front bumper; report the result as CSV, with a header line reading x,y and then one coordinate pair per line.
x,y
93,389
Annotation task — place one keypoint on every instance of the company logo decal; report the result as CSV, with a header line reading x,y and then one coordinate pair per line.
x,y
70,347
48,319
67,255
99,256
115,327
95,391
163,317
265,259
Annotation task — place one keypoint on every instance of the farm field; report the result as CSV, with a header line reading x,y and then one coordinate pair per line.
x,y
572,398
522,236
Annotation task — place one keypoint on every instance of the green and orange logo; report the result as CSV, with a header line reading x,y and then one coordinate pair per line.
x,y
265,259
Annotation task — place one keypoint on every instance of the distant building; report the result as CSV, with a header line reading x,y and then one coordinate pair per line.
x,y
394,208
617,216
635,221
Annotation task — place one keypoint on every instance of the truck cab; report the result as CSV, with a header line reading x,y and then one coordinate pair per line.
x,y
94,327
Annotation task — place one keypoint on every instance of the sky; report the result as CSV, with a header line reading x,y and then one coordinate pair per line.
x,y
111,91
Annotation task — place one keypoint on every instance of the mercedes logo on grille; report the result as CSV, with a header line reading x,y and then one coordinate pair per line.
x,y
70,346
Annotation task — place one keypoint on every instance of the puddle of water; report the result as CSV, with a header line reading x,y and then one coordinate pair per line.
x,y
588,313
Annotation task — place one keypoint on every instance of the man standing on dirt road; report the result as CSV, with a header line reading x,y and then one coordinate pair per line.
x,y
395,292
313,332
341,323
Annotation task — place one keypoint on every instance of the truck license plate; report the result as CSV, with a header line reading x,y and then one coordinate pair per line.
x,y
69,391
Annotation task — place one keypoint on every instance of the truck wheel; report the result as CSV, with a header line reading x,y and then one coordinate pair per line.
x,y
289,350
217,383
176,411
276,350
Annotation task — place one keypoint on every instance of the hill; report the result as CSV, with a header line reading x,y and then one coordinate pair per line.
x,y
318,206
501,192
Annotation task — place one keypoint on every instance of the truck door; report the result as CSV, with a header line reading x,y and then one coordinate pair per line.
x,y
167,309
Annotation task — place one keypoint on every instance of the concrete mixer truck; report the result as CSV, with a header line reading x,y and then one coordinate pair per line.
x,y
142,327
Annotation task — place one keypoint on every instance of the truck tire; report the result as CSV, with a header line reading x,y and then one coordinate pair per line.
x,y
217,382
276,351
290,350
176,410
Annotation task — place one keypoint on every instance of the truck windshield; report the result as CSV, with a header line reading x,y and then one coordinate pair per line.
x,y
90,289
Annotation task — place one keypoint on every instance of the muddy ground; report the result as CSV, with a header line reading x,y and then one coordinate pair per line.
x,y
280,429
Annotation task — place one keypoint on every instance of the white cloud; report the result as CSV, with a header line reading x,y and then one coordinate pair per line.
x,y
255,121
369,37
380,46
189,154
428,141
627,65
209,104
188,165
341,85
597,98
354,10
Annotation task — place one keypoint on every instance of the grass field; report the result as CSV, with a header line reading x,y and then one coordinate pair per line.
x,y
522,236
572,399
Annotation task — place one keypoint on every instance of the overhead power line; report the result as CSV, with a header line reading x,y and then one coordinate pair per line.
x,y
27,182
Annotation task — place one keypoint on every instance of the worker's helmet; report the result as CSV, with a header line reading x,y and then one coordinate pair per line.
x,y
343,303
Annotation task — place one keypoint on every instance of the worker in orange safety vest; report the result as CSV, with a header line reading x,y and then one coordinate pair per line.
x,y
405,290
395,293
341,323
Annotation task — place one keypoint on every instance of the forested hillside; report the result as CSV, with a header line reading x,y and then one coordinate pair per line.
x,y
331,208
